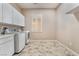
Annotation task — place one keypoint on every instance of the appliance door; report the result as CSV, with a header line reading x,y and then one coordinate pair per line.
x,y
27,37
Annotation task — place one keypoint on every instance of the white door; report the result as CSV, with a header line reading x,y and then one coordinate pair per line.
x,y
7,13
0,12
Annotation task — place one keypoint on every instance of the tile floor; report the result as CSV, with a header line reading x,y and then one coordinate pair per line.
x,y
44,48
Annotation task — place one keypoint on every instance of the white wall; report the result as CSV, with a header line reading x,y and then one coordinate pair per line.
x,y
48,27
67,27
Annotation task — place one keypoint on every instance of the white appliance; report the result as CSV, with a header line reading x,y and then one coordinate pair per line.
x,y
27,37
19,41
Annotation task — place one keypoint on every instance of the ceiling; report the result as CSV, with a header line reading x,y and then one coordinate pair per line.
x,y
38,5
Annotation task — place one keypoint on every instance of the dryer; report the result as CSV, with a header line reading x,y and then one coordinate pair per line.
x,y
27,40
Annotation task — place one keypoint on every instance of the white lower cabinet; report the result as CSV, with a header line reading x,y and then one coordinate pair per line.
x,y
7,46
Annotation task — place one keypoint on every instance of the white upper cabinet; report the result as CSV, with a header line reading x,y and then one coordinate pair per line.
x,y
15,20
7,13
0,12
18,18
22,20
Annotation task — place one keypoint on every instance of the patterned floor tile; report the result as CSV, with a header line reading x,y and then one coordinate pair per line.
x,y
43,48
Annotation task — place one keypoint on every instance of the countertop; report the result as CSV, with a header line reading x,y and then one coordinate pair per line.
x,y
6,35
9,34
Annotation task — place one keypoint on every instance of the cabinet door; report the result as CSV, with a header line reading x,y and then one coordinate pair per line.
x,y
15,17
18,18
0,12
7,47
23,21
7,13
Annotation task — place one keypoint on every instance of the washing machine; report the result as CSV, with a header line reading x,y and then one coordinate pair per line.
x,y
19,41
